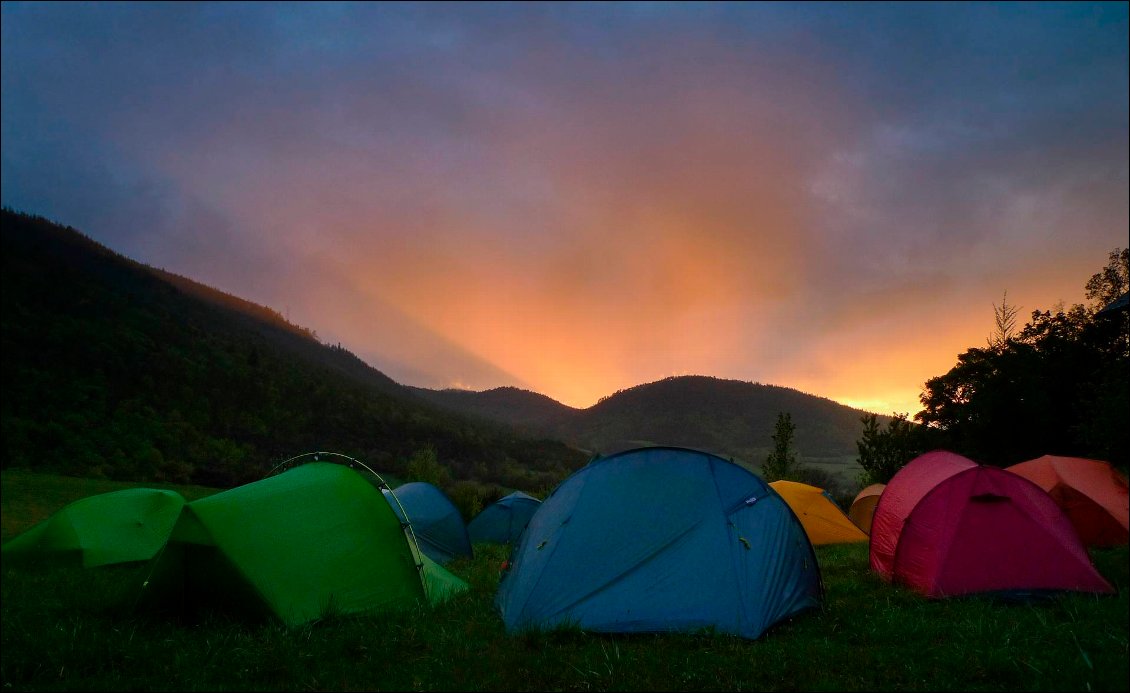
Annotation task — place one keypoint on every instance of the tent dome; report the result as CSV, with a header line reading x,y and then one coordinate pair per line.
x,y
436,522
502,521
1092,493
116,527
863,507
661,539
822,519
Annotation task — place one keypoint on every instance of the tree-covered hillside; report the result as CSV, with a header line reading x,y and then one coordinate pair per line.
x,y
718,414
729,417
531,411
113,368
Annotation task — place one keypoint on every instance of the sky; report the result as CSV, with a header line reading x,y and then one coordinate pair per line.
x,y
579,198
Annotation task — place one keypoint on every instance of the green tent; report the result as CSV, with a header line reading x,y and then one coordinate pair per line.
x,y
313,541
117,527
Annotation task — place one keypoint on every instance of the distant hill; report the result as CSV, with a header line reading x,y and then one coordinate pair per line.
x,y
112,368
732,418
718,414
531,411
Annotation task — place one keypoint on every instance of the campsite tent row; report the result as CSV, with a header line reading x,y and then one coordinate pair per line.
x,y
946,526
728,551
316,539
1092,493
320,539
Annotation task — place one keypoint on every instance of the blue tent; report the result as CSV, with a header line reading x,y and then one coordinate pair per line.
x,y
437,523
502,522
661,539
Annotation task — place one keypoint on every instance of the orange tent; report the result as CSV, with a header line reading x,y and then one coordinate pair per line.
x,y
823,521
863,507
1091,492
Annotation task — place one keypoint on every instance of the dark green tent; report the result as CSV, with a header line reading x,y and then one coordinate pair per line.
x,y
117,527
315,540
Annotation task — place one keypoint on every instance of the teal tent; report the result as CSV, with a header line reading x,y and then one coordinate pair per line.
x,y
502,522
661,539
436,522
116,527
312,541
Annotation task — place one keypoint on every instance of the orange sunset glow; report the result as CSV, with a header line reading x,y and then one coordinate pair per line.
x,y
576,200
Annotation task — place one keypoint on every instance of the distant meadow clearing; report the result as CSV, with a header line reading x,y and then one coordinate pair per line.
x,y
73,629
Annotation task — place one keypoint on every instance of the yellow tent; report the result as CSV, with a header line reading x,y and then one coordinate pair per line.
x,y
863,507
823,520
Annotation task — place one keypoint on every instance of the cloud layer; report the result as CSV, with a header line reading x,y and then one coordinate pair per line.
x,y
578,198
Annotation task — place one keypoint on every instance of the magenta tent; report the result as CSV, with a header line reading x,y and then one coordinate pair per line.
x,y
947,526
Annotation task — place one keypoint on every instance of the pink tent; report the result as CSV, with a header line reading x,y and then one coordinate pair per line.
x,y
914,481
947,526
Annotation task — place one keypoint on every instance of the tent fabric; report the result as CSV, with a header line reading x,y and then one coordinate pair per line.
x,y
915,480
502,522
313,541
978,529
1092,493
863,507
660,539
117,527
818,512
437,523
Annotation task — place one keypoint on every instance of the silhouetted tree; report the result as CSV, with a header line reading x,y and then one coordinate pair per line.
x,y
1004,317
1057,387
1111,281
883,452
781,462
425,466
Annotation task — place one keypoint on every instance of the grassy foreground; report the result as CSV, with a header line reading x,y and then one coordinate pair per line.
x,y
70,630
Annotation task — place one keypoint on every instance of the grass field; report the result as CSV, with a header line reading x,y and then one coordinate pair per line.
x,y
71,629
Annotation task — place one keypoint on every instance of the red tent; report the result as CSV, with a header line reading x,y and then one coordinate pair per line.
x,y
947,526
1091,492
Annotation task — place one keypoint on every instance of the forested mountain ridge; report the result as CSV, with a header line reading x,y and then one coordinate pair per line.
x,y
529,410
113,368
716,413
730,417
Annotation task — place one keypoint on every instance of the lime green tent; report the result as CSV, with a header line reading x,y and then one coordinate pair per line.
x,y
313,541
117,527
